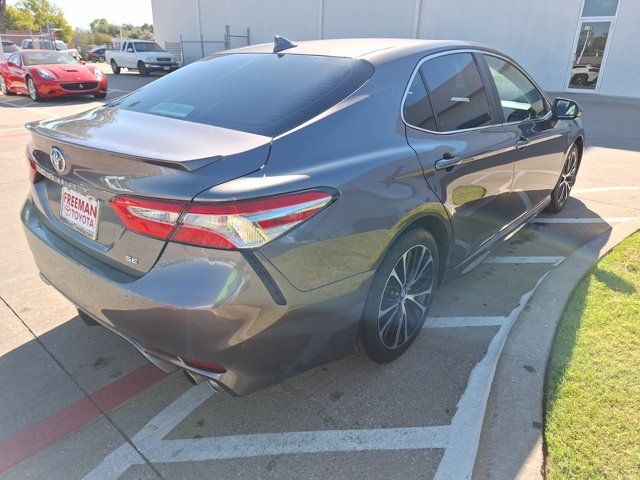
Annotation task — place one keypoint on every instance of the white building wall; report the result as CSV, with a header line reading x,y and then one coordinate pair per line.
x,y
539,34
621,73
375,18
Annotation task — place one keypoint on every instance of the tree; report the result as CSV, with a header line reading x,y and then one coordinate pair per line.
x,y
17,19
101,25
43,11
3,19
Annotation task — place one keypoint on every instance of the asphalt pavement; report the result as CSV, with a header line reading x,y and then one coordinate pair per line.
x,y
80,402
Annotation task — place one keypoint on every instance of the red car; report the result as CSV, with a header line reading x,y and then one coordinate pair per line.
x,y
46,73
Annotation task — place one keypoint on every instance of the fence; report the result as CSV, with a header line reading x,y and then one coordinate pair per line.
x,y
192,50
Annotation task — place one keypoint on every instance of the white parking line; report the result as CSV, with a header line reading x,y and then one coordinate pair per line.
x,y
523,260
583,220
150,440
602,189
457,322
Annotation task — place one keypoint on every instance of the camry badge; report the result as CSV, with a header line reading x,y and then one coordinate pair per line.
x,y
57,159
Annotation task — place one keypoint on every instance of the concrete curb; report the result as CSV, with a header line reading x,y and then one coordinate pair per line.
x,y
511,441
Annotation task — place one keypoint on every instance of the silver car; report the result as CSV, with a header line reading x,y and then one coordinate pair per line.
x,y
264,210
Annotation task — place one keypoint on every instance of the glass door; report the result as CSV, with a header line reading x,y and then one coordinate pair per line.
x,y
590,45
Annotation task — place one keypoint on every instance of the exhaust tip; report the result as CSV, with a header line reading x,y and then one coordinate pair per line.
x,y
193,378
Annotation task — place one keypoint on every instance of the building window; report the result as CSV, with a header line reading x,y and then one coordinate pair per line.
x,y
599,8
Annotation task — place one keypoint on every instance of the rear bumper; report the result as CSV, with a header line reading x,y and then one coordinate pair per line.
x,y
206,306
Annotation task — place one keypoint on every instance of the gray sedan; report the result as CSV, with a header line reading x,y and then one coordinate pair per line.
x,y
264,210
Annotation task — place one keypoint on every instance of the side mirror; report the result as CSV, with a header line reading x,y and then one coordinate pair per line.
x,y
565,109
11,64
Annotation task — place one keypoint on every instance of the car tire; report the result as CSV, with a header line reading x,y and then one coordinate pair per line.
x,y
114,67
99,95
562,190
580,79
3,87
142,70
33,90
400,297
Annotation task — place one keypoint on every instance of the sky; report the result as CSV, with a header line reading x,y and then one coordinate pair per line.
x,y
79,13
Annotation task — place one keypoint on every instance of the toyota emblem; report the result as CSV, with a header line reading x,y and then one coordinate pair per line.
x,y
57,159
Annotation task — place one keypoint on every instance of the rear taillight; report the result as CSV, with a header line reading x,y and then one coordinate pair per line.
x,y
227,225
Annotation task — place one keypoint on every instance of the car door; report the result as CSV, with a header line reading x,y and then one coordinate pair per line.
x,y
539,139
465,155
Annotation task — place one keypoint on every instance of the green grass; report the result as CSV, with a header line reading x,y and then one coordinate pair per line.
x,y
592,424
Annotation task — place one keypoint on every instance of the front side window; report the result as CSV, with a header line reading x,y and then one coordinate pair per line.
x,y
15,58
457,93
265,94
519,98
417,109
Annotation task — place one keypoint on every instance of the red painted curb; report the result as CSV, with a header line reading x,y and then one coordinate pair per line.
x,y
75,416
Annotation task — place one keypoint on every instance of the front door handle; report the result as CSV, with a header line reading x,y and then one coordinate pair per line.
x,y
448,161
522,142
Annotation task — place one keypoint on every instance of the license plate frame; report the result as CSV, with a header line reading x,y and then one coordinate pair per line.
x,y
81,215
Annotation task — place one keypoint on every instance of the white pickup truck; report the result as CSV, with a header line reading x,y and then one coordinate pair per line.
x,y
142,55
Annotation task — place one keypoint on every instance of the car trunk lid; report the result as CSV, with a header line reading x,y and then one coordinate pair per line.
x,y
108,152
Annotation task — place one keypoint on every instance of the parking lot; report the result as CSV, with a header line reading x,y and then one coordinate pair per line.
x,y
80,402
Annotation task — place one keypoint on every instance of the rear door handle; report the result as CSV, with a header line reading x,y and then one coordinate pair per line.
x,y
522,142
448,161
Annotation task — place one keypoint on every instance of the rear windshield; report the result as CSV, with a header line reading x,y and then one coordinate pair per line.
x,y
147,47
265,94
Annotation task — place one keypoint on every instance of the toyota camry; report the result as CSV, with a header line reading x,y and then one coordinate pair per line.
x,y
268,209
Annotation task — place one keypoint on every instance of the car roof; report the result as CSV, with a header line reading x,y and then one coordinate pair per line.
x,y
368,48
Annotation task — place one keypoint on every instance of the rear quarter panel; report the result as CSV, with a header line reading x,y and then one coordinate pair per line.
x,y
358,148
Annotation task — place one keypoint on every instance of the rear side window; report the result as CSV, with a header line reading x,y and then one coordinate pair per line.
x,y
417,109
265,94
519,98
457,92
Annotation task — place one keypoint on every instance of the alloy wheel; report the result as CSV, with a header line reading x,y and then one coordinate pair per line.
x,y
33,93
3,86
567,177
406,297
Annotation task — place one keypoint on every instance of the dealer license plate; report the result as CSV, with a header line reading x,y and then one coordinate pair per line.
x,y
80,212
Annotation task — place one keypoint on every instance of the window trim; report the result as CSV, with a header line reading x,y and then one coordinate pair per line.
x,y
490,91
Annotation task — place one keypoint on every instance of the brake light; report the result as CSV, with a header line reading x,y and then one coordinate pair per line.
x,y
154,218
226,225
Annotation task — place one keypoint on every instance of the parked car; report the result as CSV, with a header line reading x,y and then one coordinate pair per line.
x,y
96,55
263,210
46,73
142,55
8,47
584,75
57,45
